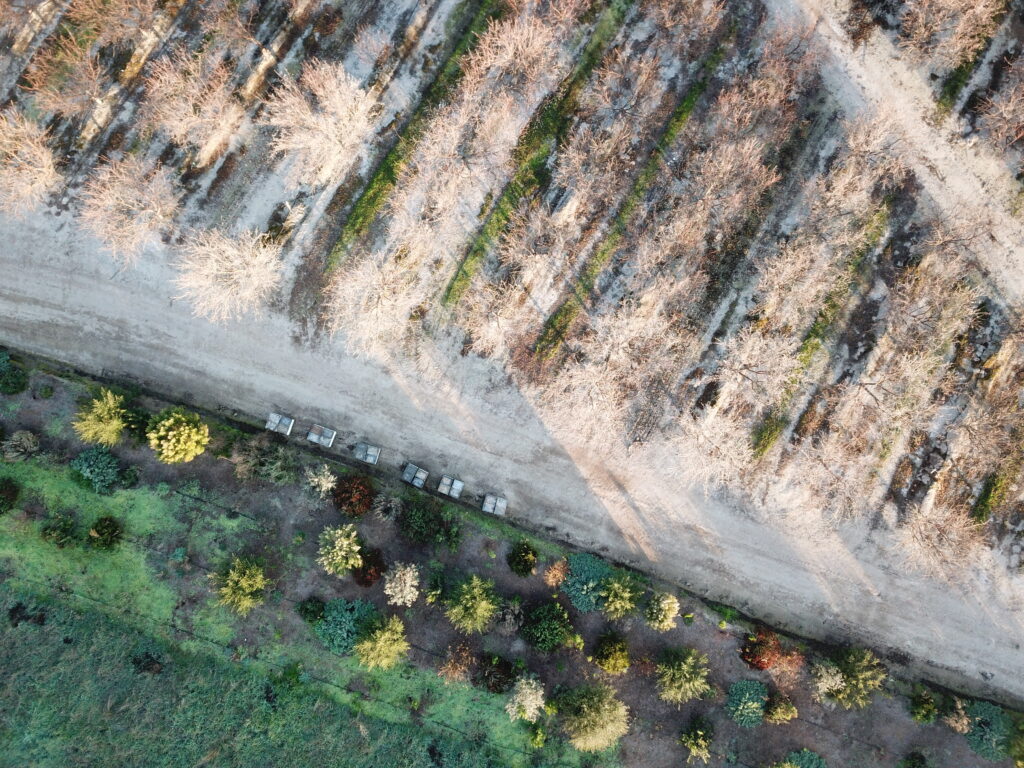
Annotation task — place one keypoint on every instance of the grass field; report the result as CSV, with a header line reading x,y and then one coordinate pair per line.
x,y
74,694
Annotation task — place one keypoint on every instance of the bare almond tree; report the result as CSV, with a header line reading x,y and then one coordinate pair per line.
x,y
117,22
1003,113
949,31
323,118
127,204
28,171
227,277
189,98
65,78
15,14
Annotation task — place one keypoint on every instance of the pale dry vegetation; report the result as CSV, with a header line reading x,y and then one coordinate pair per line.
x,y
321,121
28,170
949,32
225,277
127,205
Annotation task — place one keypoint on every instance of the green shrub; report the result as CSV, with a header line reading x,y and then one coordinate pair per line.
x,y
383,644
353,495
862,674
924,708
990,730
311,609
913,760
45,391
473,605
344,622
177,436
746,702
13,379
547,627
661,612
522,558
587,574
619,595
59,529
682,676
697,739
260,459
98,468
593,718
9,493
425,520
804,759
242,586
611,653
340,549
780,710
106,532
102,420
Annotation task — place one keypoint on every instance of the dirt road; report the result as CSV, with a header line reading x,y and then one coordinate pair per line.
x,y
61,298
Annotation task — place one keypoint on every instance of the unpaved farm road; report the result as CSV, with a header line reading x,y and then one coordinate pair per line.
x,y
61,298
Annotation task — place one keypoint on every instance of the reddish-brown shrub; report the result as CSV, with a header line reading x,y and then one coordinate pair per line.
x,y
354,495
371,570
458,664
763,650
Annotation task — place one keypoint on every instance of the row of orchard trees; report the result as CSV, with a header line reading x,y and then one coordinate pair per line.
x,y
190,95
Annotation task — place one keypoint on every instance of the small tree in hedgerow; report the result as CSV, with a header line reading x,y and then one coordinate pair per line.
x,y
383,645
97,467
177,436
863,674
661,611
697,739
473,605
803,758
242,586
620,594
548,627
780,710
103,420
340,550
611,653
746,702
527,700
106,532
522,558
402,585
990,730
682,676
593,718
353,496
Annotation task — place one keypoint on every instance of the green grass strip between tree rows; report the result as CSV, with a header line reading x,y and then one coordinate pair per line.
x,y
557,325
543,136
371,200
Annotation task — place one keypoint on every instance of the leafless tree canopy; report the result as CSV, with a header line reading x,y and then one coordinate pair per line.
x,y
188,97
323,119
127,204
14,14
118,22
65,78
949,31
28,171
227,277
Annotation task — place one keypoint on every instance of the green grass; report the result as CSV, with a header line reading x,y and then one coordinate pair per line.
x,y
545,133
768,431
557,325
375,194
72,696
996,488
131,585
